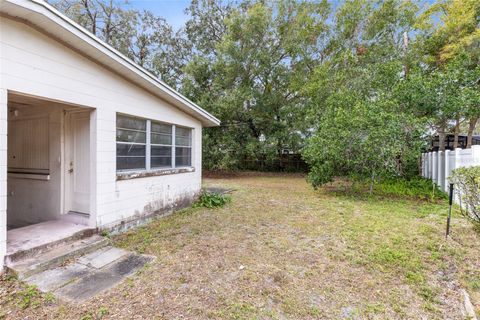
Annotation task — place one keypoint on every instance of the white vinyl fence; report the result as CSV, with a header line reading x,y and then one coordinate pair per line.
x,y
438,166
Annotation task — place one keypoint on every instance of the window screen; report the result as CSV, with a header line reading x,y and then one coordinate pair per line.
x,y
161,145
183,147
131,142
138,139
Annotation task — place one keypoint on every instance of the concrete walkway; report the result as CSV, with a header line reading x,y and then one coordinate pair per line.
x,y
89,275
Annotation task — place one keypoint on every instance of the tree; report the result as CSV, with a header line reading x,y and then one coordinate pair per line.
x,y
250,78
449,39
356,88
142,36
361,128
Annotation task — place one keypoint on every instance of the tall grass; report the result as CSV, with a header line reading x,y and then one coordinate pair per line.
x,y
418,188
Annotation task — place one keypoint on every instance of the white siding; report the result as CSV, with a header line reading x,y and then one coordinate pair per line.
x,y
35,64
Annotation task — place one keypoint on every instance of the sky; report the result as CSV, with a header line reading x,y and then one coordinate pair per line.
x,y
171,10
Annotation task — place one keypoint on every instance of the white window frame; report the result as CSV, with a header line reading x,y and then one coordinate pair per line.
x,y
148,146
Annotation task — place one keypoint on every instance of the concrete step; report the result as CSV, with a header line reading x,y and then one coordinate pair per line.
x,y
55,256
51,234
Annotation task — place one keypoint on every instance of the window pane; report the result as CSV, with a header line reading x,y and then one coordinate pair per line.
x,y
183,156
124,163
157,162
161,128
161,151
131,123
161,156
130,136
183,136
130,150
180,141
182,132
161,139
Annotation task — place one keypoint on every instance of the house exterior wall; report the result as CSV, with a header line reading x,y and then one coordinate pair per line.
x,y
36,64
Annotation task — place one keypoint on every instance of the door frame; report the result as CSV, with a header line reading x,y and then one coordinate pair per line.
x,y
67,149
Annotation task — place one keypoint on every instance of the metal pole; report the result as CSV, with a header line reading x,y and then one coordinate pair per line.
x,y
450,201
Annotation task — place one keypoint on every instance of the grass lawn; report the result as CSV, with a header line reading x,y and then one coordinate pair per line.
x,y
281,250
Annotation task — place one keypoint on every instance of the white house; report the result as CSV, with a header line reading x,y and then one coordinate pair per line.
x,y
88,139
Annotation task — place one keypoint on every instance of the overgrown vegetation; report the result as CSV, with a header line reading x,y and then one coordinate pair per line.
x,y
467,183
212,200
416,188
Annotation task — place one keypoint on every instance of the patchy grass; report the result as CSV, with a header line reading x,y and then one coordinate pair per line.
x,y
15,295
280,250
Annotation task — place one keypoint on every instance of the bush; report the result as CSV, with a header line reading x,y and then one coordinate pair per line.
x,y
212,200
467,183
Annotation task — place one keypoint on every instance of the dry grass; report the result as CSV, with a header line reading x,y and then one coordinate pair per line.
x,y
281,250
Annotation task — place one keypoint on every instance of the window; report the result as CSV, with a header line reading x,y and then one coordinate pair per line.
x,y
161,145
131,143
148,144
183,147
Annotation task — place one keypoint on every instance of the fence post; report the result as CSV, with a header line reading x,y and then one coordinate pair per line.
x,y
456,164
430,165
424,164
446,171
429,173
434,166
476,155
457,157
440,169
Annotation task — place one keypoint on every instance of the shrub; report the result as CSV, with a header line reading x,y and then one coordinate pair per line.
x,y
212,200
467,183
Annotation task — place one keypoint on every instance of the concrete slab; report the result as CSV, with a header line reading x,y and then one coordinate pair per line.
x,y
35,235
103,279
76,269
53,279
100,258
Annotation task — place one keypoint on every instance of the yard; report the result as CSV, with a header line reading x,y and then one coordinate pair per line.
x,y
281,250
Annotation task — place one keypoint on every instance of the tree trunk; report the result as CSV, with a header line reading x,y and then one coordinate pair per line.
x,y
456,133
471,128
441,136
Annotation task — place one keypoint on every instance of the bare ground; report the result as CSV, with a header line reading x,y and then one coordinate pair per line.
x,y
281,250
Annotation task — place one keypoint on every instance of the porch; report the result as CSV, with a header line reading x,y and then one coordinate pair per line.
x,y
49,174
